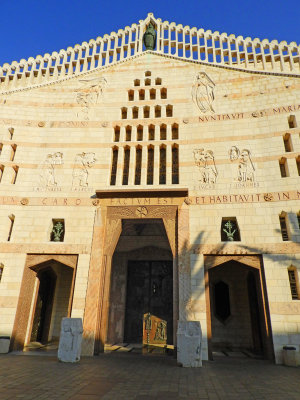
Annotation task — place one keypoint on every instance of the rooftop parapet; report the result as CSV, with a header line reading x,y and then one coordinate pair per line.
x,y
171,39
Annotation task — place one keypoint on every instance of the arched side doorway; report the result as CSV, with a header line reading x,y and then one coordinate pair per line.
x,y
237,308
46,296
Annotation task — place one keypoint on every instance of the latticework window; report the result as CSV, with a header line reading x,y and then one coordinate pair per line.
x,y
139,133
128,133
146,112
294,284
175,132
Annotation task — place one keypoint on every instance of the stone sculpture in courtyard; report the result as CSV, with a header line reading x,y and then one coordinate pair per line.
x,y
69,348
203,92
189,337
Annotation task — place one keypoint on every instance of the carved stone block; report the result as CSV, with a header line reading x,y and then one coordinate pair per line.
x,y
69,348
189,337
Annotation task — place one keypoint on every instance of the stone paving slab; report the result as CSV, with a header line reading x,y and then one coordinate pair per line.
x,y
138,377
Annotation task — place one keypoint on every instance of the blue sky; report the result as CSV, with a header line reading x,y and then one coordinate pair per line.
x,y
32,27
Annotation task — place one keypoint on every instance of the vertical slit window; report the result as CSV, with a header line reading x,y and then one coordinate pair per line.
x,y
283,228
135,113
287,143
142,94
1,172
11,225
1,147
175,165
117,134
11,132
152,94
175,134
124,113
157,111
163,93
169,111
146,112
128,134
138,166
283,167
139,133
126,166
114,166
13,152
292,121
151,132
298,164
162,165
130,95
163,132
150,166
15,174
294,283
1,271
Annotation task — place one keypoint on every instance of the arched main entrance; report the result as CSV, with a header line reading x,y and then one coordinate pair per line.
x,y
238,318
141,282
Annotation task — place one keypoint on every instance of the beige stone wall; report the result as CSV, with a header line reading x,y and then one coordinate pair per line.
x,y
251,112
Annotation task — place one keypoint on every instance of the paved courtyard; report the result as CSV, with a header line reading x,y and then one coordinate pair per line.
x,y
140,377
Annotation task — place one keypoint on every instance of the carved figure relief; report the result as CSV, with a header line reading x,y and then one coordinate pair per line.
x,y
82,163
204,159
245,167
47,170
203,92
89,93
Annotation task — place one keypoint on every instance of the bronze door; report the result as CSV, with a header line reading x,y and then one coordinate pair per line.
x,y
149,290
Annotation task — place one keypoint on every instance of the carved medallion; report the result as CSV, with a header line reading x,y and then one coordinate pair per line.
x,y
141,212
24,201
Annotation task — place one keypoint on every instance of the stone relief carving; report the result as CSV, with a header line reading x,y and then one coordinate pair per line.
x,y
47,170
82,163
203,92
89,93
205,161
245,167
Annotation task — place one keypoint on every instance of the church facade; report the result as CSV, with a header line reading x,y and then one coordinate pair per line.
x,y
155,169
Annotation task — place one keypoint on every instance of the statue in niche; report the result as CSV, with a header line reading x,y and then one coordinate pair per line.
x,y
149,38
88,94
245,168
229,231
47,170
203,92
57,232
205,161
82,163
